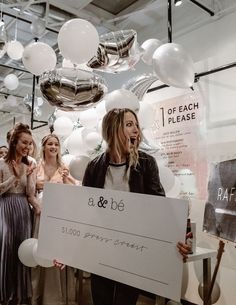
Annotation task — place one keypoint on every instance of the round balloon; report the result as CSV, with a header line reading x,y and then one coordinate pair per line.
x,y
215,295
66,159
11,81
15,49
75,143
173,65
63,126
93,139
89,118
25,252
71,90
121,98
78,166
39,57
38,27
149,46
146,115
78,40
43,262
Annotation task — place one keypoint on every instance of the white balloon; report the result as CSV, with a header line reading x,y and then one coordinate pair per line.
x,y
39,57
121,98
66,159
63,126
89,118
73,115
146,115
11,81
75,143
78,166
167,178
101,109
25,252
43,262
15,49
149,46
173,65
215,295
93,139
78,40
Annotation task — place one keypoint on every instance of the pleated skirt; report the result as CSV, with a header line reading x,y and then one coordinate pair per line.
x,y
15,227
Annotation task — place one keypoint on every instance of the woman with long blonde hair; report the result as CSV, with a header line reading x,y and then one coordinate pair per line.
x,y
122,167
52,286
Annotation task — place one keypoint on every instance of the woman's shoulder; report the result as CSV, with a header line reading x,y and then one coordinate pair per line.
x,y
101,158
145,156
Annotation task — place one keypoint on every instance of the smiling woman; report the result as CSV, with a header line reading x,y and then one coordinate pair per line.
x,y
15,220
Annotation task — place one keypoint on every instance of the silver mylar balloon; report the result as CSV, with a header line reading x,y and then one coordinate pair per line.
x,y
72,89
140,84
117,51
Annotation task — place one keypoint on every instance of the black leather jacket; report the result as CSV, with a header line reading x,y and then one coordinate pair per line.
x,y
143,179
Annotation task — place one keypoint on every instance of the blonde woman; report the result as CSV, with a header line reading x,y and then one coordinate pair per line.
x,y
50,285
122,167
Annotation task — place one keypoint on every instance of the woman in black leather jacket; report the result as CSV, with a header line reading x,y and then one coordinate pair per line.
x,y
122,167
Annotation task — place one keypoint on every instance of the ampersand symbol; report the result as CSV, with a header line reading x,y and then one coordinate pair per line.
x,y
102,202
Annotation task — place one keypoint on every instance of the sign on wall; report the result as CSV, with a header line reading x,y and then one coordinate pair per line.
x,y
180,130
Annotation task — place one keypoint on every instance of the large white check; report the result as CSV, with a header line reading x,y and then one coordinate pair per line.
x,y
125,236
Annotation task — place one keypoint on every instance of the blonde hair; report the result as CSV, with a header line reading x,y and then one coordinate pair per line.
x,y
43,143
113,134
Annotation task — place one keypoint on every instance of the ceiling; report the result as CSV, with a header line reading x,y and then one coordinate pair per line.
x,y
147,17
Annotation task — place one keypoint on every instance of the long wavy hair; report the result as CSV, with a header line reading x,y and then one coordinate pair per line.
x,y
113,134
43,143
15,135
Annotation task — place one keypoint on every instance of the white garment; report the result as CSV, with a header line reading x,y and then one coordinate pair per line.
x,y
116,178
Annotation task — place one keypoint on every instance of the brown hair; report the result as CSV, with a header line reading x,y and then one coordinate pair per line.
x,y
15,135
112,131
43,143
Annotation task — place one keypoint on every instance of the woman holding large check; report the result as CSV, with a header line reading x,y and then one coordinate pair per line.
x,y
122,167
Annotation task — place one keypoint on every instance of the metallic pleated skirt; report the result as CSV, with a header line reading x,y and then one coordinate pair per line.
x,y
15,227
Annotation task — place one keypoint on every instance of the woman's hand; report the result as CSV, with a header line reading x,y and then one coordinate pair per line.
x,y
58,264
39,184
30,168
184,250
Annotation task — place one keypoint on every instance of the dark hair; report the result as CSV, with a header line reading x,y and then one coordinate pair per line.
x,y
9,133
15,135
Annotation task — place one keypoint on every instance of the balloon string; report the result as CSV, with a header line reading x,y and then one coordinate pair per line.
x,y
16,29
1,9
